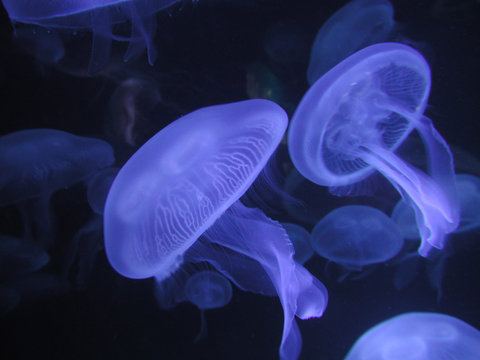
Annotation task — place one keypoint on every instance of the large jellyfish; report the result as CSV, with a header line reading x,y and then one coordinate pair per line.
x,y
99,16
185,182
352,120
357,235
419,336
356,25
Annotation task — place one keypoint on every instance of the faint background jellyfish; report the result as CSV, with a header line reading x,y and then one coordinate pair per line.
x,y
43,44
98,187
36,163
103,18
421,336
356,236
369,104
207,290
184,182
301,242
358,24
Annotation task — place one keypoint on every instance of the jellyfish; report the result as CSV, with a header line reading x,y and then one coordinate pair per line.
x,y
356,235
207,290
469,195
351,121
175,200
301,242
99,16
20,256
358,24
35,163
420,336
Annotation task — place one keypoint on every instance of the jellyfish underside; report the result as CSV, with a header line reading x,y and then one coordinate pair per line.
x,y
368,125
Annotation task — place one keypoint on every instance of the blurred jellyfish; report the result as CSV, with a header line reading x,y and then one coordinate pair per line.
x,y
355,236
99,16
43,44
36,163
207,290
97,188
301,242
352,120
20,256
185,182
358,24
420,336
404,216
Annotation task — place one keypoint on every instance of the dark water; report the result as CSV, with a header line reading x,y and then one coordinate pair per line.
x,y
207,51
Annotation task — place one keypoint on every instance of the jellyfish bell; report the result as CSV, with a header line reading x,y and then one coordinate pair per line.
x,y
351,121
300,238
185,182
421,336
99,16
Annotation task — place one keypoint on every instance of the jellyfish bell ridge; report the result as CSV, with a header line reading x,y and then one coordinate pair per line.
x,y
353,95
172,204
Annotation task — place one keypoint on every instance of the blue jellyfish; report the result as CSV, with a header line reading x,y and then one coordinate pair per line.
x,y
469,194
41,43
301,242
36,163
358,24
404,216
351,121
357,235
419,336
20,256
97,188
207,290
184,182
99,16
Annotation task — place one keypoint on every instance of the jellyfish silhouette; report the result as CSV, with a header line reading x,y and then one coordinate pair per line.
x,y
184,182
301,242
36,163
420,336
352,120
207,290
97,188
99,16
355,236
358,24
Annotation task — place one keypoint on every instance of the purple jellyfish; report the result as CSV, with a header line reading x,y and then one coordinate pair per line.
x,y
419,336
99,16
184,182
351,121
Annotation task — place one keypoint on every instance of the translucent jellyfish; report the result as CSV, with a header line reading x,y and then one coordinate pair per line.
x,y
184,182
419,336
207,290
357,235
358,24
301,242
20,256
35,163
97,188
404,216
351,121
43,44
99,16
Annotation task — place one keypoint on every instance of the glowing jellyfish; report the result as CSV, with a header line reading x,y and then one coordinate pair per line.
x,y
356,236
184,182
419,336
99,16
207,290
358,24
36,163
351,121
301,242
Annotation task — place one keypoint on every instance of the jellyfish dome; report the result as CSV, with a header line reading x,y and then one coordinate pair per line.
x,y
184,183
418,336
356,236
351,121
301,242
208,290
99,16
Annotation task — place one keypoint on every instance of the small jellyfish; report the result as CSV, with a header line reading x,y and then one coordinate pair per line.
x,y
207,290
99,16
97,188
35,163
356,236
469,194
185,182
404,216
358,24
419,336
20,256
301,242
350,122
